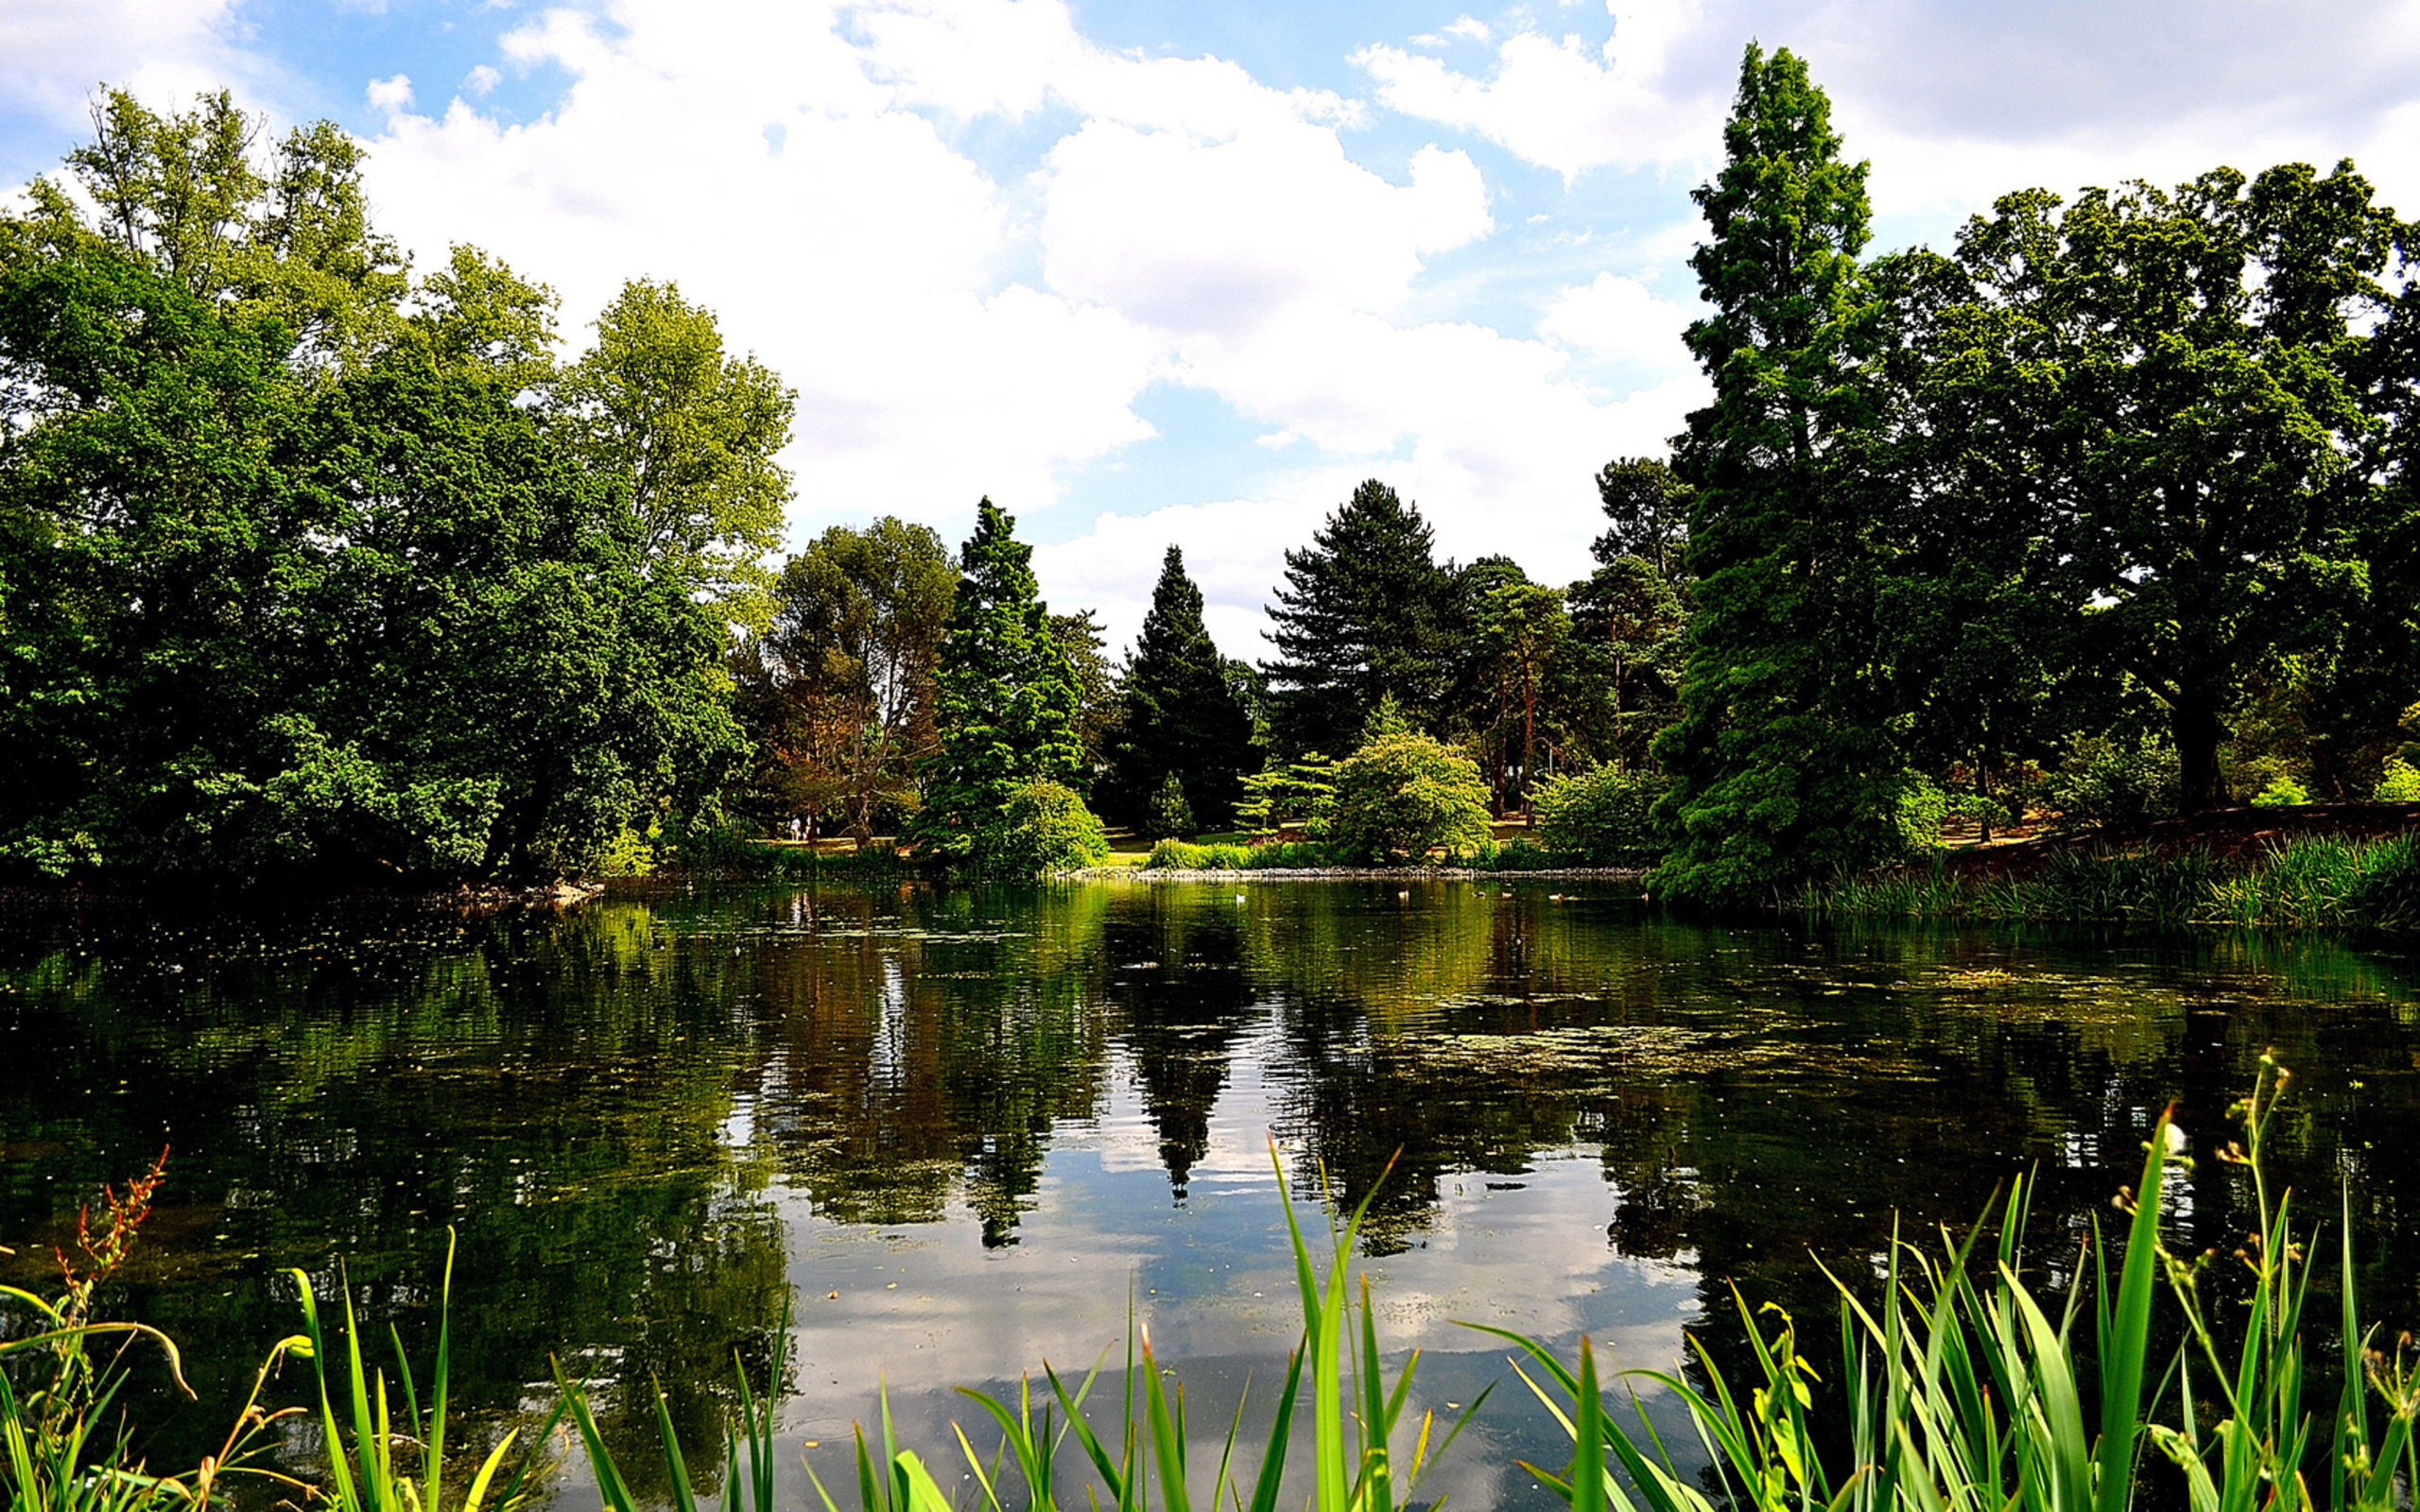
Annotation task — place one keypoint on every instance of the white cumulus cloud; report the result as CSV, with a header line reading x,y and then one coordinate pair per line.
x,y
1565,103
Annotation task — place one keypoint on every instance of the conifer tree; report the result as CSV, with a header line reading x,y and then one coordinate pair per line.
x,y
1179,717
1779,765
1360,616
1007,694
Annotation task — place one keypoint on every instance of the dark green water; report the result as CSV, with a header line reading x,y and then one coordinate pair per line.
x,y
989,1120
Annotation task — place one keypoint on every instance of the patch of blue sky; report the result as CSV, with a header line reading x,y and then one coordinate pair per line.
x,y
33,142
329,55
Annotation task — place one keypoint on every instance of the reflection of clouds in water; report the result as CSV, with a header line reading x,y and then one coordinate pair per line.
x,y
929,1307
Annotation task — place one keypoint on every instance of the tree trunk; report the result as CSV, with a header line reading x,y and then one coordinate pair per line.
x,y
2199,732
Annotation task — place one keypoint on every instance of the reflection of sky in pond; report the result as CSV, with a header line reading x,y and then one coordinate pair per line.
x,y
990,1119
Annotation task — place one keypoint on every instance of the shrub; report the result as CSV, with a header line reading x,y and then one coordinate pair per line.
x,y
1604,816
2398,783
2113,782
1289,854
2282,792
1516,854
1919,811
1168,815
1402,795
1044,827
1226,855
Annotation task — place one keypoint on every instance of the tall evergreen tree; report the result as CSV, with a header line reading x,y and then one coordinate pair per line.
x,y
1780,765
1180,716
1360,616
1007,692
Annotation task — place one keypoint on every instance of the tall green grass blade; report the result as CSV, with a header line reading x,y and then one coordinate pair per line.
x,y
1588,1432
1273,1459
2125,1336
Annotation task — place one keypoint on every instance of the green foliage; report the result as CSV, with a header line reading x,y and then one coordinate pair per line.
x,y
2107,780
1296,794
180,192
695,432
1647,515
1623,670
1959,1387
1523,634
1361,615
1005,703
480,679
1920,811
1604,816
2246,313
1044,827
1180,721
2398,783
1176,855
2283,792
2310,882
1516,854
838,693
1097,710
1168,815
376,1477
1781,763
1402,795
297,584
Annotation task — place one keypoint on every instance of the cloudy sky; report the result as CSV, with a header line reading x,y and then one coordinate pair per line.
x,y
1155,270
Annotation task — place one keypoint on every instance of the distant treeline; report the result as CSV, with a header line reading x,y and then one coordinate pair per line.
x,y
312,567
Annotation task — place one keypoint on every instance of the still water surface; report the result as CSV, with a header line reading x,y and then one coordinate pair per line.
x,y
993,1122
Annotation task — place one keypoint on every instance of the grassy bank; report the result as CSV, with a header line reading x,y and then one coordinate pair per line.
x,y
2303,883
1309,855
1956,1387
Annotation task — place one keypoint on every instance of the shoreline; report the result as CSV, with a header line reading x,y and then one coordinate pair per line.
x,y
1350,874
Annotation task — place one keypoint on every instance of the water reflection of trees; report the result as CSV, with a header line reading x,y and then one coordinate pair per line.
x,y
336,1094
602,1104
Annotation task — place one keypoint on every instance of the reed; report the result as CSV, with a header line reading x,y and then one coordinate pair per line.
x,y
1961,1395
2312,882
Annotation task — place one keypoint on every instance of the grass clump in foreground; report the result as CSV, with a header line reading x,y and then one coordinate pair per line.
x,y
1963,1393
2308,882
1956,1389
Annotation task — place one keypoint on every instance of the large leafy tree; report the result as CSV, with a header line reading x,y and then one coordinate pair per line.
x,y
1361,615
297,579
1780,763
1007,697
1181,718
264,625
838,693
183,193
695,432
2165,389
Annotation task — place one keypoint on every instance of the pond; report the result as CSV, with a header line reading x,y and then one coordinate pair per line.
x,y
949,1134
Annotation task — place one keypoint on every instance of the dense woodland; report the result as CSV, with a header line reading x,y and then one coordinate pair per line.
x,y
316,567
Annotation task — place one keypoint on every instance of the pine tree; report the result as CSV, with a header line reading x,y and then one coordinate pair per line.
x,y
1179,715
1360,616
1007,694
1780,766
